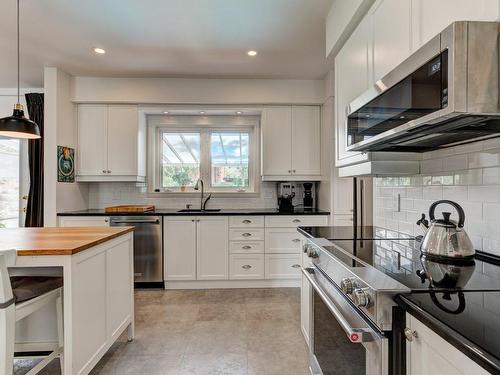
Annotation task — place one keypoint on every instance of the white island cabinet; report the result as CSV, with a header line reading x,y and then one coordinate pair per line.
x,y
98,288
429,353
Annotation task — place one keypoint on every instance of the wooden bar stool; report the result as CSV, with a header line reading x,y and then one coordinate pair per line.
x,y
21,296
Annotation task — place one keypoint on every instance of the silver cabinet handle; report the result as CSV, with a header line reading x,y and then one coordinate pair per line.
x,y
296,221
246,247
246,234
108,171
410,334
296,266
106,220
157,221
247,221
104,171
295,240
355,335
246,266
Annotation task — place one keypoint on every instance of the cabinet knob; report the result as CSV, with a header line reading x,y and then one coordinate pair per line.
x,y
246,234
296,240
296,266
289,171
410,334
247,221
108,171
104,171
294,171
106,220
246,247
296,221
246,266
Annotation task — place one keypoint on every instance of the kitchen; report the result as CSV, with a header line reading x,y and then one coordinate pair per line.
x,y
269,206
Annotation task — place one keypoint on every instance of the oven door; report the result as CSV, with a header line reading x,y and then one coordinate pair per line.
x,y
342,340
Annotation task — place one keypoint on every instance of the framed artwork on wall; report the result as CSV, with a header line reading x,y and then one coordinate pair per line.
x,y
65,164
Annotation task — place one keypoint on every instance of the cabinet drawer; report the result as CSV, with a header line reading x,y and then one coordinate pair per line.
x,y
246,247
246,234
282,266
83,221
246,266
246,221
295,221
283,240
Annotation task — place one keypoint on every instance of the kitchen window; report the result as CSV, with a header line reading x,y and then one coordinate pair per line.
x,y
222,150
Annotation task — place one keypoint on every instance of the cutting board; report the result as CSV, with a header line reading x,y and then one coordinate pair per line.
x,y
130,208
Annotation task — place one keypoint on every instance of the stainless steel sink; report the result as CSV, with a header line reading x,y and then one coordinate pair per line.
x,y
197,210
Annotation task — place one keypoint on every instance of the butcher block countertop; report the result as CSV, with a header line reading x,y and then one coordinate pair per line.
x,y
57,241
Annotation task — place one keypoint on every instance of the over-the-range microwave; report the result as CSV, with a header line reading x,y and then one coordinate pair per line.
x,y
444,94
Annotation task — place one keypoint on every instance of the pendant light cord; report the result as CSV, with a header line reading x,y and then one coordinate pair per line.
x,y
18,64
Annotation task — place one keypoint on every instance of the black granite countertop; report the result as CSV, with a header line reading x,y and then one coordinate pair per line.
x,y
175,212
475,331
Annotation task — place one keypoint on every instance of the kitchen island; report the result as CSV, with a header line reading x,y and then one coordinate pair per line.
x,y
98,301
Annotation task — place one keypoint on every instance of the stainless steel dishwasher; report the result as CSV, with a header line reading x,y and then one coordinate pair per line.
x,y
148,246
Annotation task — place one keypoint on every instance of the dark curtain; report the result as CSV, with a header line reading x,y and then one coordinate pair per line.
x,y
34,208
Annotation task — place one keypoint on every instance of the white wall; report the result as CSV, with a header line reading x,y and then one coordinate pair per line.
x,y
468,174
60,129
196,91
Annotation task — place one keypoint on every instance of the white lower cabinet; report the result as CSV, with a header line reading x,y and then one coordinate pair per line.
x,y
246,266
179,248
429,353
282,266
212,248
83,221
282,240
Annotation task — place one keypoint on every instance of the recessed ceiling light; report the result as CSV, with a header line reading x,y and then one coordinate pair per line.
x,y
239,112
99,51
252,53
165,112
202,112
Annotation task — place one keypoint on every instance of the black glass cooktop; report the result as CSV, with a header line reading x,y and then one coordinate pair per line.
x,y
402,260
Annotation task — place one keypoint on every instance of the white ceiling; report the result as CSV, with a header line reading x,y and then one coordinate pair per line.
x,y
167,38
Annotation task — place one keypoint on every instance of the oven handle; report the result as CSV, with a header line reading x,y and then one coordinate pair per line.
x,y
355,335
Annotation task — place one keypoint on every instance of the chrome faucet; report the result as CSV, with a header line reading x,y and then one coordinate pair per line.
x,y
203,204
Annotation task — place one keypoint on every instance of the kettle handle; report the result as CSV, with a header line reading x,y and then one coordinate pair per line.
x,y
460,210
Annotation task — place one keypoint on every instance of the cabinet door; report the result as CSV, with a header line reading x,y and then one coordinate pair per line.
x,y
282,266
92,135
179,238
277,141
306,152
430,17
428,353
352,72
213,248
342,194
391,35
122,140
282,240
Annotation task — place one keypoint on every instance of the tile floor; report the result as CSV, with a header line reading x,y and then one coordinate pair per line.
x,y
209,332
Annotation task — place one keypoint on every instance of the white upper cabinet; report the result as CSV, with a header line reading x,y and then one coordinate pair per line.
x,y
277,141
291,143
390,47
352,75
429,17
109,147
92,135
306,141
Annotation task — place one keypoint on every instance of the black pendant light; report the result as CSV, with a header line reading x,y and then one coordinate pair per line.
x,y
18,126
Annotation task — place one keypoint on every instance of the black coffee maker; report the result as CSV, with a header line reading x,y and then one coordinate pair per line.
x,y
308,196
286,193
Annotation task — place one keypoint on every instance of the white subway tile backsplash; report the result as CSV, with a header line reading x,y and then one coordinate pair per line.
x,y
486,158
468,174
491,176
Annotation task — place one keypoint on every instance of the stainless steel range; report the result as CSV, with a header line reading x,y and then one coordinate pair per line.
x,y
355,325
352,309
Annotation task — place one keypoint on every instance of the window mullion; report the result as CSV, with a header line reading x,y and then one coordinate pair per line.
x,y
205,158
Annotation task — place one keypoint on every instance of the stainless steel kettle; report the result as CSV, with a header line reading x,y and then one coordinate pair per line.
x,y
446,238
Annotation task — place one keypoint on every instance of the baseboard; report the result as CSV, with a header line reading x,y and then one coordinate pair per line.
x,y
221,284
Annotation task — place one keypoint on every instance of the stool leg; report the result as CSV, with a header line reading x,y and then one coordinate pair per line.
x,y
60,330
7,338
